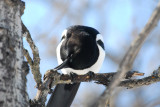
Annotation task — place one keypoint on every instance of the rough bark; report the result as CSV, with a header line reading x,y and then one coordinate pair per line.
x,y
12,75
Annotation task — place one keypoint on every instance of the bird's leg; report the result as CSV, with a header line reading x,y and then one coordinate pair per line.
x,y
91,75
49,86
50,91
73,75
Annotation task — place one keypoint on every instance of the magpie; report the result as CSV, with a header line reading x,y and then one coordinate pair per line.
x,y
80,51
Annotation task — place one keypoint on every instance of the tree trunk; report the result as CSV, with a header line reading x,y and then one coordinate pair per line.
x,y
12,75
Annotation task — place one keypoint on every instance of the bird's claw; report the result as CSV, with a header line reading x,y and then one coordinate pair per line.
x,y
50,91
73,75
91,75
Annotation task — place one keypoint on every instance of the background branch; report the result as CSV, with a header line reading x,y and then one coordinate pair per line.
x,y
130,56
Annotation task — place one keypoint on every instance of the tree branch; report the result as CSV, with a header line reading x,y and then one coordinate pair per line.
x,y
29,59
133,83
53,78
130,56
99,78
102,78
34,64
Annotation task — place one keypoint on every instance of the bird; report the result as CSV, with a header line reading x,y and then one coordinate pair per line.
x,y
80,51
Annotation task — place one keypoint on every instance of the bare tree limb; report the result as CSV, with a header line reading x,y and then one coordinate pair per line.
x,y
29,59
103,78
100,78
133,83
53,78
130,56
34,64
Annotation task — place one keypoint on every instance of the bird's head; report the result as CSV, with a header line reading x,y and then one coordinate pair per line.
x,y
82,43
78,37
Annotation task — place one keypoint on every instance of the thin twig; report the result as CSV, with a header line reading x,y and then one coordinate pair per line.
x,y
131,54
34,64
133,83
29,59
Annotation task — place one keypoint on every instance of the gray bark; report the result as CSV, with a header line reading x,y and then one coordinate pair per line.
x,y
12,75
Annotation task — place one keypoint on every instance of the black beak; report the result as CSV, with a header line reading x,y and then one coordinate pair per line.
x,y
64,64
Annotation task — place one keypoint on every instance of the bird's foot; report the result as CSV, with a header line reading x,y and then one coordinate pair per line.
x,y
91,75
73,75
50,91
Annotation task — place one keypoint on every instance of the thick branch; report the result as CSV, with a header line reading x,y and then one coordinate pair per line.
x,y
103,78
53,78
131,54
100,78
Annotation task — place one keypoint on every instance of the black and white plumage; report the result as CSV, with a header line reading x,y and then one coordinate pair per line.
x,y
86,45
80,51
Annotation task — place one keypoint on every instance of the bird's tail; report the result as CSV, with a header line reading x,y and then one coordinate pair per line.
x,y
63,95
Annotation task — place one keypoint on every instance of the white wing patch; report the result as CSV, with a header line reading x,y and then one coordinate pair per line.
x,y
58,53
99,37
64,33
